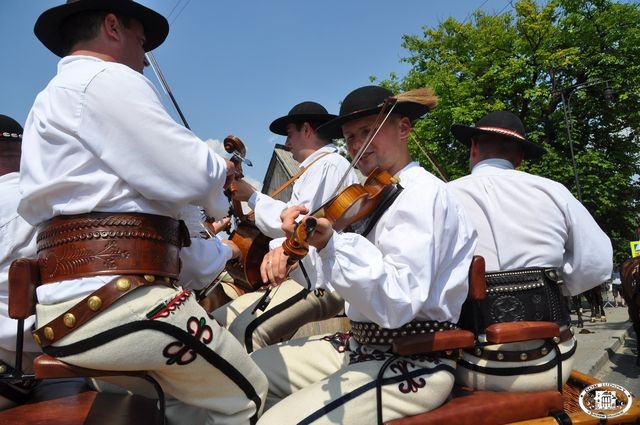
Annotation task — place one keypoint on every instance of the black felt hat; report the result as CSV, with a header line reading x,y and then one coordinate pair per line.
x,y
368,100
305,111
499,123
10,129
47,27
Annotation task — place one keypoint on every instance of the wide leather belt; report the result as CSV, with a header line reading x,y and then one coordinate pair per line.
x,y
74,246
92,305
528,294
521,355
371,333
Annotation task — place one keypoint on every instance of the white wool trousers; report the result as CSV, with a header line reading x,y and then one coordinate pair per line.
x,y
333,380
165,331
291,307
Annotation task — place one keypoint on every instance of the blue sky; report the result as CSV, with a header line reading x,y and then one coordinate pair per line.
x,y
235,66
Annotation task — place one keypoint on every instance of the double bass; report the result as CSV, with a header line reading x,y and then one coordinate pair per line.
x,y
252,243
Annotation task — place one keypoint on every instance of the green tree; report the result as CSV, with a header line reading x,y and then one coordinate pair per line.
x,y
527,61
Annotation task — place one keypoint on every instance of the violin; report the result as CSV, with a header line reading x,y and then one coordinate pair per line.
x,y
353,204
357,201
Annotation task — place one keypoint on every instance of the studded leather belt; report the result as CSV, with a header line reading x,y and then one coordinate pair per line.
x,y
371,333
74,246
92,305
521,355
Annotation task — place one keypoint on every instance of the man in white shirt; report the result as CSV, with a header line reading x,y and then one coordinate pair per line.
x,y
17,239
530,230
325,173
405,273
106,173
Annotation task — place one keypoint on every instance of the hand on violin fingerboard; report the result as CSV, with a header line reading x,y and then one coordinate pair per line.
x,y
231,173
214,227
323,231
289,216
243,190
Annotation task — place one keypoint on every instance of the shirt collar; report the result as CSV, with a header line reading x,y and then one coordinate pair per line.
x,y
502,164
328,148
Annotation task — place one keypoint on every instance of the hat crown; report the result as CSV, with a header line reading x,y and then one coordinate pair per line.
x,y
48,24
363,98
305,108
504,120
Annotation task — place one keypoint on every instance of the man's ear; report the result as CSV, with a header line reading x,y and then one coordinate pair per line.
x,y
111,26
405,127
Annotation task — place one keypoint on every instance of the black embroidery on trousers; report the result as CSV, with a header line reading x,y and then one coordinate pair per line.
x,y
522,370
355,393
248,332
207,353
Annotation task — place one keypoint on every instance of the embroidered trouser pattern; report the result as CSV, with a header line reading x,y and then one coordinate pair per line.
x,y
291,307
332,380
166,332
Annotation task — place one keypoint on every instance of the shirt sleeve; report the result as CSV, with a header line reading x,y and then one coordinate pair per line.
x,y
588,256
313,189
398,279
202,262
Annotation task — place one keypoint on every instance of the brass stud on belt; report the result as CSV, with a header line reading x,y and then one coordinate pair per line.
x,y
167,280
36,338
500,356
556,339
48,333
123,284
478,351
69,320
149,278
544,351
94,303
523,356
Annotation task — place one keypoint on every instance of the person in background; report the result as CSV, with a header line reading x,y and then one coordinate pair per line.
x,y
530,228
405,271
616,290
324,174
106,174
17,239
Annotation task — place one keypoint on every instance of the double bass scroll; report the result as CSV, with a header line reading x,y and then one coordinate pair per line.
x,y
252,243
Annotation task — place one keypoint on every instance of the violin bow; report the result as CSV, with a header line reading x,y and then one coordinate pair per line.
x,y
424,96
165,86
443,174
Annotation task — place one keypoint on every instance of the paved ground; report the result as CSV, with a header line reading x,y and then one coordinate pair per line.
x,y
606,350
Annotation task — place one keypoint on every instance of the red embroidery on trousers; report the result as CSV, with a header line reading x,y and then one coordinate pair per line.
x,y
166,308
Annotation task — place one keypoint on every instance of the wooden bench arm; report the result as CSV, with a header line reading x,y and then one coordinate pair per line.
x,y
499,333
47,367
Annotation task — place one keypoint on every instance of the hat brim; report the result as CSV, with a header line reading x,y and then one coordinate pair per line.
x,y
47,27
333,129
279,125
464,134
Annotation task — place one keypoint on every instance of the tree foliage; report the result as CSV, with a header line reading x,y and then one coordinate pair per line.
x,y
535,61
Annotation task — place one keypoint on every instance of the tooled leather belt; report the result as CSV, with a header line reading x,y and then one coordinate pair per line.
x,y
371,333
74,246
140,249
